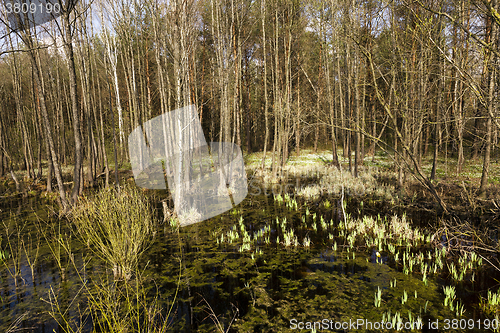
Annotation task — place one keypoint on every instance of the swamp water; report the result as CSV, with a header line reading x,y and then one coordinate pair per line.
x,y
268,265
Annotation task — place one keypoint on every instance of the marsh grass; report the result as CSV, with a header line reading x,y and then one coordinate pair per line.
x,y
117,226
119,297
382,233
32,253
221,326
12,255
391,240
125,307
457,189
112,306
491,304
59,244
15,326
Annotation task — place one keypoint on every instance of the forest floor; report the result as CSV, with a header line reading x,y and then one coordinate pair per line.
x,y
458,190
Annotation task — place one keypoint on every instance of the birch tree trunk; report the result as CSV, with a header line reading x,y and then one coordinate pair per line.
x,y
75,110
33,55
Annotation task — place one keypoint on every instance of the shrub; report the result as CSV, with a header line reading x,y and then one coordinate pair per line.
x,y
116,225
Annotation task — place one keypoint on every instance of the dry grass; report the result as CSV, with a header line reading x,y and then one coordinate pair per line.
x,y
189,217
310,192
365,184
328,180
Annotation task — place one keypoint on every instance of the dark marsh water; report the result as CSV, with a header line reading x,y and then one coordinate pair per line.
x,y
263,289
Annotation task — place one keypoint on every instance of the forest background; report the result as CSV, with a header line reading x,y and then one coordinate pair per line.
x,y
413,79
